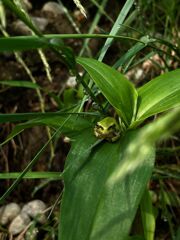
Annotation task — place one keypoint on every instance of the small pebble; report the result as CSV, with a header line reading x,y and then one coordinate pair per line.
x,y
9,212
35,209
19,224
26,5
21,27
71,82
53,8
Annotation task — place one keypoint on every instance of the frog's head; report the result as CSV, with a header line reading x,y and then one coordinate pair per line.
x,y
107,129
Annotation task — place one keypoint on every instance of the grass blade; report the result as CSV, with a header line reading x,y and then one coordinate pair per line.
x,y
114,31
32,175
25,84
22,43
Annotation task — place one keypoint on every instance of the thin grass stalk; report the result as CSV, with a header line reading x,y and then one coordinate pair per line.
x,y
93,26
46,64
116,27
101,9
80,6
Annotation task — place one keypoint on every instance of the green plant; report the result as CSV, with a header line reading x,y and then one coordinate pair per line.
x,y
104,182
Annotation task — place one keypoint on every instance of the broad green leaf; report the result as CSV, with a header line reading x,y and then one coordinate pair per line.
x,y
158,95
104,183
115,87
25,84
98,204
135,238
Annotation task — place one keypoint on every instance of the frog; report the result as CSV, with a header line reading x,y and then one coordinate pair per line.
x,y
107,129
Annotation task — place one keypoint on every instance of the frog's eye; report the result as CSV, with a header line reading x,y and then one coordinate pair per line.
x,y
99,126
112,127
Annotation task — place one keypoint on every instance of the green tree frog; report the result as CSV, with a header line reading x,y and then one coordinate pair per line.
x,y
107,129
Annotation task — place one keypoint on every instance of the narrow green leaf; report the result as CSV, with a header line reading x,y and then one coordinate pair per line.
x,y
52,117
116,27
22,43
19,117
25,84
2,15
32,175
70,127
118,90
148,216
158,95
74,123
133,51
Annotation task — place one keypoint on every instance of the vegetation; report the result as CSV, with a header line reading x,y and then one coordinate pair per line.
x,y
115,189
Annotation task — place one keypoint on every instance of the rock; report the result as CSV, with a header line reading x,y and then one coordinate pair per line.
x,y
71,82
20,27
19,224
53,7
58,21
26,5
40,22
35,210
9,212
